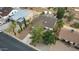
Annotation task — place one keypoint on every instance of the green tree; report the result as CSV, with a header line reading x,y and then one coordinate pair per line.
x,y
60,13
65,8
58,26
20,25
37,33
49,37
60,23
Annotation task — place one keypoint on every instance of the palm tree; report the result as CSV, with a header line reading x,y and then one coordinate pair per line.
x,y
20,25
60,13
58,26
70,17
13,26
60,23
25,22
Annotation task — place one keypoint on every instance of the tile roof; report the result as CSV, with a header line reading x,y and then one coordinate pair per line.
x,y
67,34
44,20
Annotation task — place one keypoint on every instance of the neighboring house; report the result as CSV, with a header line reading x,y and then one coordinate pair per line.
x,y
75,11
9,43
4,11
20,15
69,34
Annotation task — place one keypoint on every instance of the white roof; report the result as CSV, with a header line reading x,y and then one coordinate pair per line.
x,y
13,12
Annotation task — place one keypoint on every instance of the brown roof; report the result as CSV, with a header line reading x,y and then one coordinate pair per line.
x,y
44,20
5,11
66,34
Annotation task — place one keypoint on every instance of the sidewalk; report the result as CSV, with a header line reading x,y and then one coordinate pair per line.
x,y
5,26
27,39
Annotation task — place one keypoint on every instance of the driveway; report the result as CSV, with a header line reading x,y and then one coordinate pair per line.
x,y
27,39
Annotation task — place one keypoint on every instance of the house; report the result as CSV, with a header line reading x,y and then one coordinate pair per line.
x,y
46,20
69,34
9,43
75,11
20,16
4,11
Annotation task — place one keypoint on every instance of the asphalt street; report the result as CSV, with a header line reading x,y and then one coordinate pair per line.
x,y
8,43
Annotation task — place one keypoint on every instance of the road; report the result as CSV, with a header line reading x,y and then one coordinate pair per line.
x,y
8,43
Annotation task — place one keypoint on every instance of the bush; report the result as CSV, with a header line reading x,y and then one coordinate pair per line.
x,y
70,17
75,25
49,37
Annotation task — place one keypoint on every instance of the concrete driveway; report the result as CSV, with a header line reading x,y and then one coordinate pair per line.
x,y
4,26
27,39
